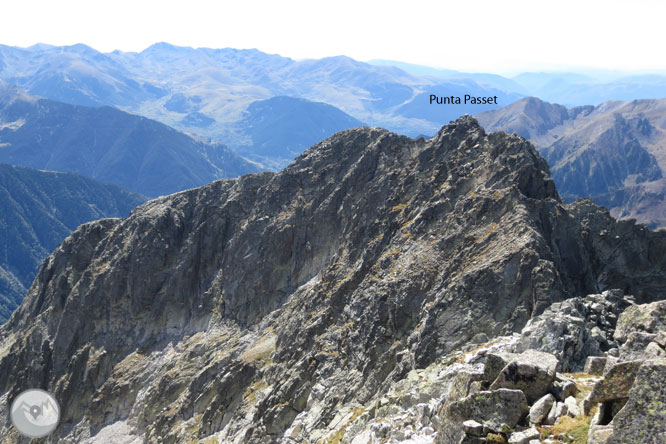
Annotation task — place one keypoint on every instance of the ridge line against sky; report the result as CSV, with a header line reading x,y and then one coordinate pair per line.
x,y
476,36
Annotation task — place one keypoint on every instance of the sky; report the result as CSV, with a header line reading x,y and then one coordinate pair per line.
x,y
483,36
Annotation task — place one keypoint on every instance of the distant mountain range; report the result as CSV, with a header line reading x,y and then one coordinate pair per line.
x,y
38,210
207,91
109,145
568,88
614,152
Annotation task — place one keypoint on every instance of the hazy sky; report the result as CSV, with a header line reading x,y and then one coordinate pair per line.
x,y
491,36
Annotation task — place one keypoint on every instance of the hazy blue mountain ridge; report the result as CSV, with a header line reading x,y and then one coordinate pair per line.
x,y
207,91
282,127
38,210
110,146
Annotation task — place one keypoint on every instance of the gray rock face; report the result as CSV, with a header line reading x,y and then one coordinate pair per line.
x,y
532,372
284,306
643,418
495,409
647,318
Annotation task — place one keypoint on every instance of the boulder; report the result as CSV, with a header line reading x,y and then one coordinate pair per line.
x,y
539,411
615,385
594,365
572,406
495,410
532,372
524,437
648,318
643,418
494,364
563,389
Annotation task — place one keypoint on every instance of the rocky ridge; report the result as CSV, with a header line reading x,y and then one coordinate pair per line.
x,y
292,307
613,153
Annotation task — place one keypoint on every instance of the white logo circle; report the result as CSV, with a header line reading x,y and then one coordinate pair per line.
x,y
35,413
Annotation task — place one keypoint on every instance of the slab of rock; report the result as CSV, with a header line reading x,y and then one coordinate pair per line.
x,y
594,365
539,411
524,437
643,418
532,372
648,318
615,385
557,410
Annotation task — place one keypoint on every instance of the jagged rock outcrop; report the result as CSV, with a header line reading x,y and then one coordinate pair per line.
x,y
577,328
612,153
285,307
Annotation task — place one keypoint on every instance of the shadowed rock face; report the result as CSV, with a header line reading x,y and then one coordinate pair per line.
x,y
258,308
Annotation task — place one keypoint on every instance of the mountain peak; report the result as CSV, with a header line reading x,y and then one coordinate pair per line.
x,y
272,301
